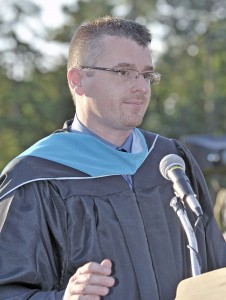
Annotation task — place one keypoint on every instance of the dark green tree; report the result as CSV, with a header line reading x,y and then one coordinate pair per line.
x,y
34,98
192,94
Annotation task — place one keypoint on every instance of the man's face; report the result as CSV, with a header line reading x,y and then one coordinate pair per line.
x,y
112,102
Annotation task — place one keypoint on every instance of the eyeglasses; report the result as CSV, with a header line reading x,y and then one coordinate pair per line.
x,y
151,77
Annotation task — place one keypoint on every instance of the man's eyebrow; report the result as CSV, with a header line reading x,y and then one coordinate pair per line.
x,y
149,69
124,65
133,66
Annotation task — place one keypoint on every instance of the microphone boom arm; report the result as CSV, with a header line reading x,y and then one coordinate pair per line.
x,y
192,242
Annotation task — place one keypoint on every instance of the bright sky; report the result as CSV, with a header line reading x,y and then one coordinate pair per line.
x,y
52,15
32,29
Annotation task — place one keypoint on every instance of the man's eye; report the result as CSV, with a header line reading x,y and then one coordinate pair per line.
x,y
147,76
123,72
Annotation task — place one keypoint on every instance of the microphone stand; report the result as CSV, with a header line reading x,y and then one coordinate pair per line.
x,y
192,242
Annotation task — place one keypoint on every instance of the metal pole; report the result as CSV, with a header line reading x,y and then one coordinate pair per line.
x,y
192,242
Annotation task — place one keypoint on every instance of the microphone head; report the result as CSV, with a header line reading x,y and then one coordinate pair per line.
x,y
169,161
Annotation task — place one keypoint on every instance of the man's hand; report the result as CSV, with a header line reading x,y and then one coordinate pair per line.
x,y
90,282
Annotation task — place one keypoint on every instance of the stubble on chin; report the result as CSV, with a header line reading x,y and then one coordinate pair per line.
x,y
132,117
132,120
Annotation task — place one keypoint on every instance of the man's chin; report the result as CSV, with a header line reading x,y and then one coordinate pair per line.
x,y
132,121
131,125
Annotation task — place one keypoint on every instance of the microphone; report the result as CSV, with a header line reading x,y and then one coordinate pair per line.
x,y
172,167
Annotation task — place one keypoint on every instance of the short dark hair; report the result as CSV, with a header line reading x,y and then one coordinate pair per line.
x,y
85,45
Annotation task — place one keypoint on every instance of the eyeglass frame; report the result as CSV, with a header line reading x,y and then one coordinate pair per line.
x,y
118,71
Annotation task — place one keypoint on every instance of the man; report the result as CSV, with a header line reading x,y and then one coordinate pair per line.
x,y
85,212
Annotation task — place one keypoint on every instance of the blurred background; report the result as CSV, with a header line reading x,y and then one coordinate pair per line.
x,y
188,48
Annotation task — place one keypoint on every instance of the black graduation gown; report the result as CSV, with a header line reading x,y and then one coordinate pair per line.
x,y
54,224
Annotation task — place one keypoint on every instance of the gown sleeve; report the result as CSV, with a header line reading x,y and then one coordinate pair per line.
x,y
32,244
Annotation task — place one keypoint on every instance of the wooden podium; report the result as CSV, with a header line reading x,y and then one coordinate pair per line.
x,y
207,286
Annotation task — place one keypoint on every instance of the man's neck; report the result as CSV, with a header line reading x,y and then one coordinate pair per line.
x,y
114,137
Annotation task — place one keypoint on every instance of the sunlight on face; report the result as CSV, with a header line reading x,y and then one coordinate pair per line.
x,y
112,102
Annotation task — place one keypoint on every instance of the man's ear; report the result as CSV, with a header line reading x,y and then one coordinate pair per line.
x,y
74,80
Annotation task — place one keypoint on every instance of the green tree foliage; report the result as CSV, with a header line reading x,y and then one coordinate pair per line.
x,y
192,94
34,100
17,57
31,110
